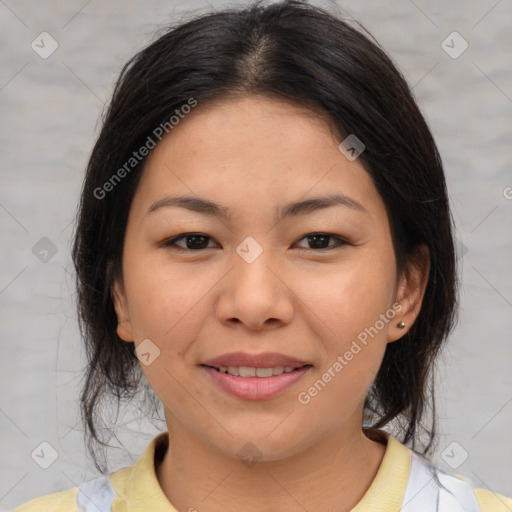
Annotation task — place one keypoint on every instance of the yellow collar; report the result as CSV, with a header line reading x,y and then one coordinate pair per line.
x,y
139,486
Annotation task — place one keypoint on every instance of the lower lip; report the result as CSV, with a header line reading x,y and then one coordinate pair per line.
x,y
255,388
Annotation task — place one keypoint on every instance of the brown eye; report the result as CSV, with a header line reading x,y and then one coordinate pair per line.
x,y
199,241
321,241
192,242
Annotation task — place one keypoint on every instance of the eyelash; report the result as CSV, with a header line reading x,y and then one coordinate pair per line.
x,y
171,243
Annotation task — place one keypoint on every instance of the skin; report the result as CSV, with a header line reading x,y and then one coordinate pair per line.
x,y
254,155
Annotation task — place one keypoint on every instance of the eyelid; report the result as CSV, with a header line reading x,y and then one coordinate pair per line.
x,y
340,241
171,242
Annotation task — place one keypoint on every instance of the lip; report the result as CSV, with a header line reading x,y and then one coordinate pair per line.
x,y
264,360
255,388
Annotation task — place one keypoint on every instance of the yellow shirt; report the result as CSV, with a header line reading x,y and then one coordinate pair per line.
x,y
136,488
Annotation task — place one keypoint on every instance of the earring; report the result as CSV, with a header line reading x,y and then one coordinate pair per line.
x,y
401,325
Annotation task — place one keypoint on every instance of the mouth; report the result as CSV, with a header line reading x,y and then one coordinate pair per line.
x,y
251,371
251,383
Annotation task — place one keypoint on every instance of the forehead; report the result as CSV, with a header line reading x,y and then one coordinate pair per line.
x,y
253,150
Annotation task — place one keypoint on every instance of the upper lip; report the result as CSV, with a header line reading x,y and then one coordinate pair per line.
x,y
264,360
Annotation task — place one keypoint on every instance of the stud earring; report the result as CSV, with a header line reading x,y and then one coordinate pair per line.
x,y
400,325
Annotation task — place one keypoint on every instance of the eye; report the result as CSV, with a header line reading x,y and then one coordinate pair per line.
x,y
193,242
198,241
319,240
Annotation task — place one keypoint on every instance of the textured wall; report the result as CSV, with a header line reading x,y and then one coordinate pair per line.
x,y
50,116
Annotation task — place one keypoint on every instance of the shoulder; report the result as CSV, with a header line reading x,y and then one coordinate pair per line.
x,y
63,501
96,494
471,497
492,502
100,493
431,488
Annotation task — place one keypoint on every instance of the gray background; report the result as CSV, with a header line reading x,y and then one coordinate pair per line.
x,y
50,117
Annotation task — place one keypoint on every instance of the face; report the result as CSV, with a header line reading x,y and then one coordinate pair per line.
x,y
313,282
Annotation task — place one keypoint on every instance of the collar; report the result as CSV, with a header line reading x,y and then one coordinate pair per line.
x,y
138,484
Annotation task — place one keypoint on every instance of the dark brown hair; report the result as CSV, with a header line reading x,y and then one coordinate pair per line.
x,y
294,52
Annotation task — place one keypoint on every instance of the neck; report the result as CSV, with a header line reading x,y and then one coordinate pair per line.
x,y
332,475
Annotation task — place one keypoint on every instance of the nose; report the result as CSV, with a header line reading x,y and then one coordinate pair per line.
x,y
256,294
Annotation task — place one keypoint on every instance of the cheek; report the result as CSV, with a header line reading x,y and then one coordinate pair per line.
x,y
352,360
164,299
342,387
168,307
347,304
345,300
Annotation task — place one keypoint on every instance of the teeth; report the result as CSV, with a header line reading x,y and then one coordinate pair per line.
x,y
277,370
248,371
263,372
242,371
233,370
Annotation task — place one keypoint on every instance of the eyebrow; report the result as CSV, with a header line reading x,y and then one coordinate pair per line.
x,y
207,207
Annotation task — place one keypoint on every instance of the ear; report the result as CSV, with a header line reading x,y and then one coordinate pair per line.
x,y
124,326
411,291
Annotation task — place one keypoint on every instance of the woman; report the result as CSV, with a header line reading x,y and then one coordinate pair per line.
x,y
264,236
